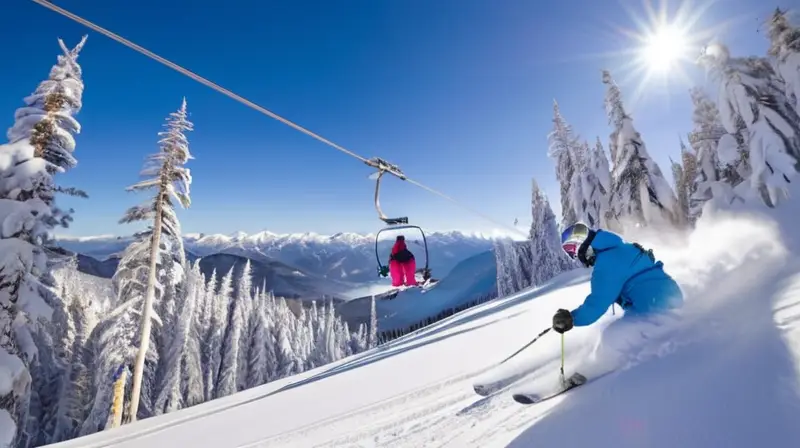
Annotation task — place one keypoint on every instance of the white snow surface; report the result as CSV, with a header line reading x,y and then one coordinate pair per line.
x,y
727,377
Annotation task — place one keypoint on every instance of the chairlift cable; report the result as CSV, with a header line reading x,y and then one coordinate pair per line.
x,y
374,162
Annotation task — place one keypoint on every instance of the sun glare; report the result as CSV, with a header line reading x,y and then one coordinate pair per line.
x,y
664,48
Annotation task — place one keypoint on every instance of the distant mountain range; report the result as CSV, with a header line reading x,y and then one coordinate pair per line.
x,y
343,257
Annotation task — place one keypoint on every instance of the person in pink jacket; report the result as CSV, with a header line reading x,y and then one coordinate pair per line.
x,y
402,265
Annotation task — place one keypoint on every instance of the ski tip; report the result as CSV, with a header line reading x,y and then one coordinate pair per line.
x,y
482,390
525,399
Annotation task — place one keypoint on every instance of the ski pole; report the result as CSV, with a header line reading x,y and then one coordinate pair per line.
x,y
529,344
563,380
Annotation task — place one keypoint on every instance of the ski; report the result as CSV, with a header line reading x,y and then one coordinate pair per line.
x,y
491,387
576,380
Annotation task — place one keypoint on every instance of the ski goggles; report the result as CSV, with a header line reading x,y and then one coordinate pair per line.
x,y
572,238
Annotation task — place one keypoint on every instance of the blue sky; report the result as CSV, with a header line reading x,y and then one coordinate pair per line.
x,y
458,93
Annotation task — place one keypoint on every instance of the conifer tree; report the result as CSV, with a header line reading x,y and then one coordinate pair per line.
x,y
548,259
165,173
704,138
41,144
563,144
639,193
754,108
784,46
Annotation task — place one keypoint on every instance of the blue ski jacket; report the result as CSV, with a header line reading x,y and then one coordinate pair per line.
x,y
626,275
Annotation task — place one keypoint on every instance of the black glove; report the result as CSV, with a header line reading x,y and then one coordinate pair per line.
x,y
562,321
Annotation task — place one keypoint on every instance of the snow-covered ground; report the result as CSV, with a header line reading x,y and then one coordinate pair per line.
x,y
728,376
368,289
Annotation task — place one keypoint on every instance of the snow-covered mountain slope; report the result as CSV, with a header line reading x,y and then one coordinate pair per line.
x,y
279,278
344,256
470,280
727,376
284,281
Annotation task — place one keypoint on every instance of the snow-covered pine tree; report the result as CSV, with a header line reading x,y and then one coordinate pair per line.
x,y
332,345
599,197
204,330
83,307
258,359
228,380
601,166
113,342
372,336
271,349
344,337
180,364
562,148
785,48
244,305
590,196
677,178
640,195
165,173
752,104
501,267
683,175
358,340
548,259
579,158
222,327
287,330
510,269
704,138
687,188
41,145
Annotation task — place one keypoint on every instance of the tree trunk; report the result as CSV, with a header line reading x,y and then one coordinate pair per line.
x,y
147,309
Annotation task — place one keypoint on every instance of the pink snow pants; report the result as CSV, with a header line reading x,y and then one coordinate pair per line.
x,y
403,273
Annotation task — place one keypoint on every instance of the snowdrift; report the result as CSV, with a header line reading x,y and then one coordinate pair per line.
x,y
728,375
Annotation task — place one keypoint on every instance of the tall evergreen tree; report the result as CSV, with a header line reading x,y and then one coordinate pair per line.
x,y
683,175
223,326
73,334
563,144
165,173
687,189
41,145
785,48
705,138
510,278
227,380
179,361
244,305
372,337
548,259
590,196
258,358
639,193
752,103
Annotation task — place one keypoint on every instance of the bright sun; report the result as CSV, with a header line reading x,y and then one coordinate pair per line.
x,y
664,48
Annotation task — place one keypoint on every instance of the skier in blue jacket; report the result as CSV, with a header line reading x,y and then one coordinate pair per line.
x,y
624,274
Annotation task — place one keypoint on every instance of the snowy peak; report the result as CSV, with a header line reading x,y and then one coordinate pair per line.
x,y
343,256
271,238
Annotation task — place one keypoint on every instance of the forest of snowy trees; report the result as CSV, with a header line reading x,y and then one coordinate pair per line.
x,y
745,144
178,337
174,338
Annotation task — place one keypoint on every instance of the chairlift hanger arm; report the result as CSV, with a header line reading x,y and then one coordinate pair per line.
x,y
384,167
